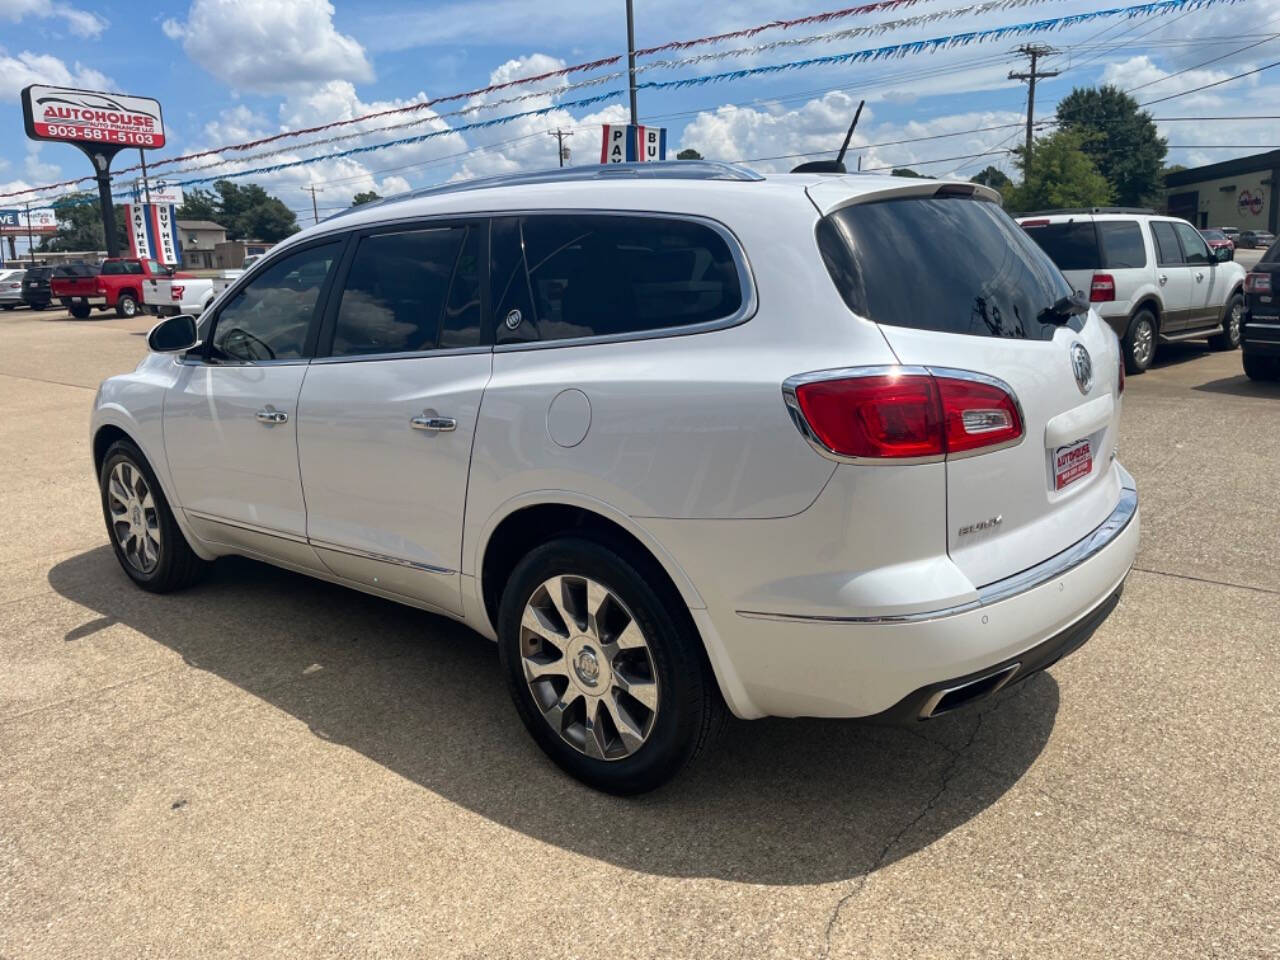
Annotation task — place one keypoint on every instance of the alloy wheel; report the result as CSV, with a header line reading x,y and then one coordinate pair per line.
x,y
135,522
589,667
1234,321
1144,342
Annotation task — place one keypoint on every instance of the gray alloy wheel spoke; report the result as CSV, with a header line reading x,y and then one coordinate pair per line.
x,y
135,521
610,670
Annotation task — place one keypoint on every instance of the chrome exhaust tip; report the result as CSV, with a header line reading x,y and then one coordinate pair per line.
x,y
952,698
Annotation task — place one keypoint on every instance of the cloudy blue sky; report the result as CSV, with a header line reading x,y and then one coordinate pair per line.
x,y
232,70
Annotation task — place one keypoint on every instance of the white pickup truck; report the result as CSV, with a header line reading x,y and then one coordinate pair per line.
x,y
169,297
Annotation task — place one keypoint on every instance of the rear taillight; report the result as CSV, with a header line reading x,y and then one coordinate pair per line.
x,y
895,415
1102,288
175,292
1257,283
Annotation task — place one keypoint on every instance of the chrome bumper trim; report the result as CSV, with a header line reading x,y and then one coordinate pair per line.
x,y
1097,541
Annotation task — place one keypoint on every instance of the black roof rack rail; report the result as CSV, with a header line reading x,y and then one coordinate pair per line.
x,y
654,170
1047,213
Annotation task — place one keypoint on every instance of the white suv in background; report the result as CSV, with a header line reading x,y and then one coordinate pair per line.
x,y
1153,278
677,436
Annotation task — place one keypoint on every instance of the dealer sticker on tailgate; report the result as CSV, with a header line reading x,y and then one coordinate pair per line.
x,y
1071,462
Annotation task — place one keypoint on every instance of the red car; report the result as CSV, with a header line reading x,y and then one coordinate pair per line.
x,y
1217,240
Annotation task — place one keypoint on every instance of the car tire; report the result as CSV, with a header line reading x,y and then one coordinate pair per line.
x,y
38,306
1139,341
1232,318
144,534
126,306
80,311
9,306
1261,368
639,639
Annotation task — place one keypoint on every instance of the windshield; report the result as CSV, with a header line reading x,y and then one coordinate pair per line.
x,y
951,264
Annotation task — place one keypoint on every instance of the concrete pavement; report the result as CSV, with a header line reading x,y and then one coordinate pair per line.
x,y
269,766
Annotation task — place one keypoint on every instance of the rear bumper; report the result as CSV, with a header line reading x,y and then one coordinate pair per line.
x,y
829,666
95,301
1260,335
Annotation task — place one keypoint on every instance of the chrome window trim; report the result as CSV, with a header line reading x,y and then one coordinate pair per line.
x,y
848,373
380,557
746,281
1059,564
404,355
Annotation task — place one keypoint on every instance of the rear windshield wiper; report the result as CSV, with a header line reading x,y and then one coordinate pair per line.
x,y
1064,309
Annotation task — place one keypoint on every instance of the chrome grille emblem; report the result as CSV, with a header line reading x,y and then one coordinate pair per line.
x,y
1082,367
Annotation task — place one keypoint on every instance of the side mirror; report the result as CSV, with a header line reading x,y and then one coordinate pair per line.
x,y
173,335
1224,254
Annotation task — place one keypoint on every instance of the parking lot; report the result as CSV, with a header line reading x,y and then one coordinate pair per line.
x,y
267,765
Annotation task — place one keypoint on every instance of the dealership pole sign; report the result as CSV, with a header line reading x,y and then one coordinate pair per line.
x,y
153,232
100,125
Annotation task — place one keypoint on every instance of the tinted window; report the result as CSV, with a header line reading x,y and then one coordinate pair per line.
x,y
1193,245
412,291
1167,250
268,319
952,264
119,267
593,275
1272,255
39,273
1072,246
1122,245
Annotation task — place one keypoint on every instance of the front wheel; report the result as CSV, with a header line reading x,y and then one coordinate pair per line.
x,y
144,534
606,670
126,306
1229,338
1140,342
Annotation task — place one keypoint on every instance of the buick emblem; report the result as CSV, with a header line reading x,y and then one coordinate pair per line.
x,y
1082,367
513,319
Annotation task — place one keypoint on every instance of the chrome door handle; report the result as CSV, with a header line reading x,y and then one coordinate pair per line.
x,y
269,416
1164,278
434,424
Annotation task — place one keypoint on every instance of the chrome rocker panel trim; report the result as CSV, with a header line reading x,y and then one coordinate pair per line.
x,y
1076,554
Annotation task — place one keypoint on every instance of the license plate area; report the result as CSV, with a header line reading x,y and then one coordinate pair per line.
x,y
1071,463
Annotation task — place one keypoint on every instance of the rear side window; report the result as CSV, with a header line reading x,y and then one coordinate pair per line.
x,y
412,291
1072,246
1167,250
1122,246
951,264
1272,255
591,275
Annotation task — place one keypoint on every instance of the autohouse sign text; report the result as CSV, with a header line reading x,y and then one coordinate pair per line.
x,y
86,116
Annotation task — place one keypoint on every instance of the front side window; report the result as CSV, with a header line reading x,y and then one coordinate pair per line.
x,y
1168,253
593,275
1122,246
950,264
268,319
1072,246
412,291
1193,245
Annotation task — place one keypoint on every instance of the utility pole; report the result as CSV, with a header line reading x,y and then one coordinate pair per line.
x,y
1033,51
631,63
31,240
560,135
313,190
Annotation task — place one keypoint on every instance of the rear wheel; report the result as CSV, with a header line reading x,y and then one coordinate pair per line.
x,y
9,306
80,310
1140,342
126,306
37,306
1261,368
1229,338
606,671
144,534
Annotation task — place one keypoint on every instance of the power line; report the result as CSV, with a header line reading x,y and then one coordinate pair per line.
x,y
1216,83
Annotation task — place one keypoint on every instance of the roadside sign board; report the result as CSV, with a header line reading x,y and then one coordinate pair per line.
x,y
157,191
624,143
13,223
153,232
68,115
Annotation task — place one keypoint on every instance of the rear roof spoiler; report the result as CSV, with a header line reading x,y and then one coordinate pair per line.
x,y
838,192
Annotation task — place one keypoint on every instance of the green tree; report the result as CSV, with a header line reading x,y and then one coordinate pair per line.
x,y
1120,138
198,204
1062,175
908,172
250,213
362,198
80,225
688,153
993,177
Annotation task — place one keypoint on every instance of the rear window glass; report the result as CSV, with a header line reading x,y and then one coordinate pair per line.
x,y
951,264
1072,246
1121,244
39,273
1272,255
119,267
590,275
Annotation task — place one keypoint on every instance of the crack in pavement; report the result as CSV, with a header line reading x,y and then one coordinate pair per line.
x,y
1215,583
947,775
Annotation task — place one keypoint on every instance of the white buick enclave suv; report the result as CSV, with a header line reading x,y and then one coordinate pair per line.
x,y
678,437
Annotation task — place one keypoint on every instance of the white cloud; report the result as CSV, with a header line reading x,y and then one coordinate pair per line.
x,y
26,68
82,23
37,169
274,47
